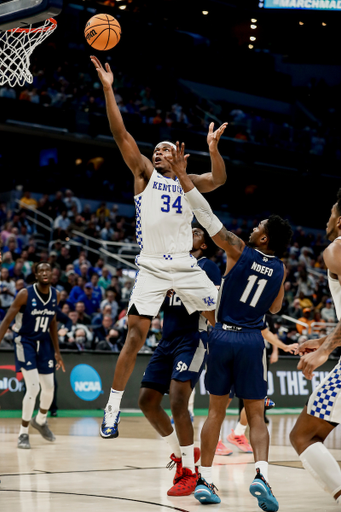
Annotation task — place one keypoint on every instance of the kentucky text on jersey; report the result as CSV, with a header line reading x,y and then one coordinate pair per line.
x,y
168,188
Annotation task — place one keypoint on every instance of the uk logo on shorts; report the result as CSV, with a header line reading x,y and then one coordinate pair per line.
x,y
209,301
85,382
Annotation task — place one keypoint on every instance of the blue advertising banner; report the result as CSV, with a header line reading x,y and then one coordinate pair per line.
x,y
317,5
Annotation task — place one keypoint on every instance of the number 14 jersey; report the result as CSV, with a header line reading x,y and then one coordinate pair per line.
x,y
163,218
249,289
34,319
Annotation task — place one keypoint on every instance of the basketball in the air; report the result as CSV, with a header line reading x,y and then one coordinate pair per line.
x,y
102,32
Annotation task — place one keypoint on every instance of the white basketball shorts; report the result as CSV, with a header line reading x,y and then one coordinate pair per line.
x,y
178,272
325,401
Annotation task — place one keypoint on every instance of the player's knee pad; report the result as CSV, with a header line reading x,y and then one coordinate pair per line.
x,y
47,390
32,385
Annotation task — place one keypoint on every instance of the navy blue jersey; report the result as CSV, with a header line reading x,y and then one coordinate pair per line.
x,y
34,319
176,320
249,289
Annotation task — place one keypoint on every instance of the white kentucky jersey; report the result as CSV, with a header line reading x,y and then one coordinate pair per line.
x,y
163,217
335,290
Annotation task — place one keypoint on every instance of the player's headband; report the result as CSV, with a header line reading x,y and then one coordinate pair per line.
x,y
165,142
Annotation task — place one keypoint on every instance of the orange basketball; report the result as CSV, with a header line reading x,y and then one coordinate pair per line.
x,y
102,32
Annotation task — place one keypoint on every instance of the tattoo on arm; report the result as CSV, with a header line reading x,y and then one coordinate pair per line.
x,y
333,340
231,238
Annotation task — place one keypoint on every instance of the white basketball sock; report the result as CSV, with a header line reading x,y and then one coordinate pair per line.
x,y
115,398
173,443
320,463
206,473
23,430
263,466
187,457
240,429
41,418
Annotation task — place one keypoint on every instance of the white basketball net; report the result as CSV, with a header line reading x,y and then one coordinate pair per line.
x,y
16,47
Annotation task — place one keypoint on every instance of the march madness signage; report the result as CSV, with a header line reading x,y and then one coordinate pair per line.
x,y
316,5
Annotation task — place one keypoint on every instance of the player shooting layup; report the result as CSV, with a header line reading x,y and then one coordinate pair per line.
x,y
323,411
164,234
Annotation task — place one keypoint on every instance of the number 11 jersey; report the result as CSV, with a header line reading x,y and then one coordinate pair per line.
x,y
249,289
163,218
34,319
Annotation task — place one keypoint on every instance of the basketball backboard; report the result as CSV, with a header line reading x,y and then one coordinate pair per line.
x,y
21,13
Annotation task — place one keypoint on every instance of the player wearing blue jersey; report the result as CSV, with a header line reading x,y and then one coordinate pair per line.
x,y
251,286
175,368
36,348
163,232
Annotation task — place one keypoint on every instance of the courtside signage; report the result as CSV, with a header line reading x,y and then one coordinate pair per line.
x,y
9,383
317,5
85,382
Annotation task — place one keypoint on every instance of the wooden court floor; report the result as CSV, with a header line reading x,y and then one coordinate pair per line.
x,y
82,472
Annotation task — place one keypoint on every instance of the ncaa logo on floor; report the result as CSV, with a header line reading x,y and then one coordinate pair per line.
x,y
85,382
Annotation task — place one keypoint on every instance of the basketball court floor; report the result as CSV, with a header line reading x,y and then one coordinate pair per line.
x,y
82,472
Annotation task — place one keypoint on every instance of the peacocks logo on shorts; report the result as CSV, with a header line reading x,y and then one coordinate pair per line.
x,y
86,382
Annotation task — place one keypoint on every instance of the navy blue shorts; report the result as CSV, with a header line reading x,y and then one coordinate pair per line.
x,y
31,355
181,359
236,359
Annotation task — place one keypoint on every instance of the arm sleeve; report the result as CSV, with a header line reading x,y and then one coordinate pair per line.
x,y
203,212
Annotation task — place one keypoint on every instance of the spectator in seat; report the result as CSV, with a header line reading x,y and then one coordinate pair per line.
x,y
97,319
73,336
83,317
61,225
328,312
92,305
102,331
77,290
65,258
306,319
110,300
105,279
7,289
27,200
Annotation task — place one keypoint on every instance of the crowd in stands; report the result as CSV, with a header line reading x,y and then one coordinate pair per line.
x,y
94,294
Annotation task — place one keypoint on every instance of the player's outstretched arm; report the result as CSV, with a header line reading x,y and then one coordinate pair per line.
x,y
14,308
137,163
232,244
276,342
211,180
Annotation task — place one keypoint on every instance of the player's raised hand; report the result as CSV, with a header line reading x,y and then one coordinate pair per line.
x,y
59,361
179,159
104,73
309,362
213,137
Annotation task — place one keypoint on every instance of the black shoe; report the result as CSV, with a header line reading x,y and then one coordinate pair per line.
x,y
53,414
266,419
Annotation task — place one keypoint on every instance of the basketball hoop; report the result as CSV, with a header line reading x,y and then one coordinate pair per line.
x,y
16,47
